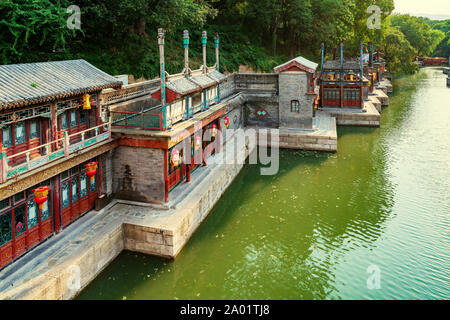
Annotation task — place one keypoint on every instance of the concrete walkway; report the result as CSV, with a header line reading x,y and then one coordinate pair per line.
x,y
63,265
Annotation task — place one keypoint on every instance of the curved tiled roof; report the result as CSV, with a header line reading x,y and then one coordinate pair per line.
x,y
182,86
216,75
307,64
32,83
203,80
347,65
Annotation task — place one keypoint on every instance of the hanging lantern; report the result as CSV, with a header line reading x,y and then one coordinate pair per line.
x,y
41,195
226,121
213,130
351,77
316,102
19,227
175,157
198,143
91,169
86,102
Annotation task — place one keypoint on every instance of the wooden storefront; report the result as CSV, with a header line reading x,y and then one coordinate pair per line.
x,y
23,225
198,155
78,193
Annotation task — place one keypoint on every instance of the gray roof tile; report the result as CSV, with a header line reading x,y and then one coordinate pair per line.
x,y
182,86
53,80
203,81
216,75
347,65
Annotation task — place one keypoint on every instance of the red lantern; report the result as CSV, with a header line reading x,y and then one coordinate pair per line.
x,y
91,169
226,121
175,157
198,143
213,130
41,195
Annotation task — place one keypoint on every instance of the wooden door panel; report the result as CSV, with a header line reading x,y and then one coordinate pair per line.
x,y
66,216
75,208
46,228
20,245
92,197
84,204
32,237
6,254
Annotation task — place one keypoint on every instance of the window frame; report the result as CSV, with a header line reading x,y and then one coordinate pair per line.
x,y
295,106
310,83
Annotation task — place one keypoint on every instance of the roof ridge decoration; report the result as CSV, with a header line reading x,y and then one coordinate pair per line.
x,y
299,62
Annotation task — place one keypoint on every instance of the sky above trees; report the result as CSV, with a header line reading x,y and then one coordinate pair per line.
x,y
420,7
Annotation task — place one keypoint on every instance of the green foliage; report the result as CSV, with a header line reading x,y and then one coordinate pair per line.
x,y
443,48
418,33
119,36
31,30
398,52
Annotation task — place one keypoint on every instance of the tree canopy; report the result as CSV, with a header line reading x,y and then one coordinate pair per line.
x,y
119,36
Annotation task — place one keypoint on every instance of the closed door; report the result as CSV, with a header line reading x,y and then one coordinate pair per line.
x,y
78,195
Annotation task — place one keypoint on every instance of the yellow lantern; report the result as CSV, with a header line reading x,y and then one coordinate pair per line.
x,y
91,169
86,102
41,195
351,77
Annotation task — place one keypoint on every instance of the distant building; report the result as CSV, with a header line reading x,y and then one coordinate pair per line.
x,y
341,83
297,93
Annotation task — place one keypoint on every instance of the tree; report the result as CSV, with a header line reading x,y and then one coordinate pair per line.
x,y
418,33
398,52
443,48
32,30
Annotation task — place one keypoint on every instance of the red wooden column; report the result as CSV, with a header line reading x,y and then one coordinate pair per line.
x,y
321,95
98,110
219,136
188,158
361,97
342,96
100,176
56,204
53,125
204,147
166,175
2,164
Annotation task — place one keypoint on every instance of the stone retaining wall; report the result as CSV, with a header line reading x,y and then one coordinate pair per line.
x,y
179,225
61,282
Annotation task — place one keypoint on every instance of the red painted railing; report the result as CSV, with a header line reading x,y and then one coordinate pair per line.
x,y
52,151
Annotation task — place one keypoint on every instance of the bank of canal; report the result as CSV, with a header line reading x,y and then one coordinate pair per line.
x,y
312,230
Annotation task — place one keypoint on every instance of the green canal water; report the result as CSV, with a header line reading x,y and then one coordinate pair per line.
x,y
313,230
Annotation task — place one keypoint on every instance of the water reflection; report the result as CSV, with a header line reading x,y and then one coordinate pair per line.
x,y
311,231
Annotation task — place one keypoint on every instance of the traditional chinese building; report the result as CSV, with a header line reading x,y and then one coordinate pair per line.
x,y
297,93
341,82
181,95
55,136
374,66
175,134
